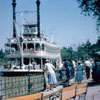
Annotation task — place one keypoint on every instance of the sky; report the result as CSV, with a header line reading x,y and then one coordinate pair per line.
x,y
62,18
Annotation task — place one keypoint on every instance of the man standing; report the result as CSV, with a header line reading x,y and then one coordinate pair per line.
x,y
87,65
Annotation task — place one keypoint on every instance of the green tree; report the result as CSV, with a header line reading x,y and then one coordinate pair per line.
x,y
1,54
87,47
68,53
83,51
91,8
97,45
64,53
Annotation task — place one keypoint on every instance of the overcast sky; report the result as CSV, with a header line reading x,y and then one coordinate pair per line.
x,y
63,18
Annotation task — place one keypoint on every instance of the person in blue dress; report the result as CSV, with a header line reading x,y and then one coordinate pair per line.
x,y
79,72
52,76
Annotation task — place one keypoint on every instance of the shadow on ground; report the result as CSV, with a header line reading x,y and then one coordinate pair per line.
x,y
93,83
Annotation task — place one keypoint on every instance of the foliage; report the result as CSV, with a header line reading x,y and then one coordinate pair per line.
x,y
85,50
1,54
91,7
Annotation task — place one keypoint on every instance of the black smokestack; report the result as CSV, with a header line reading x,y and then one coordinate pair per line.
x,y
14,17
38,17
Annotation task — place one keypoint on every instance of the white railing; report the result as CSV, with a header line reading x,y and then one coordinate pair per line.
x,y
12,53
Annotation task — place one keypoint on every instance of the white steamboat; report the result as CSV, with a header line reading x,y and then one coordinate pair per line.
x,y
31,49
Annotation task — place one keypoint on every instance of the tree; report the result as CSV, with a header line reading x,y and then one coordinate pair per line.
x,y
98,45
1,54
91,7
64,53
87,46
83,51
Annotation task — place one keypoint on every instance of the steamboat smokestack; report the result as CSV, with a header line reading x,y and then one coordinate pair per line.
x,y
14,17
38,17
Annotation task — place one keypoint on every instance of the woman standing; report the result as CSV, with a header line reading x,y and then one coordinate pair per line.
x,y
52,76
79,72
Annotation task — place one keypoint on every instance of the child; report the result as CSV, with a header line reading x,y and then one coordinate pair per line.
x,y
46,81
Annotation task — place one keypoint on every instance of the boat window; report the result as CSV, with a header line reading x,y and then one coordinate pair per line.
x,y
44,61
24,46
14,47
33,29
37,46
29,29
30,38
7,49
42,47
26,61
26,29
38,61
9,62
30,46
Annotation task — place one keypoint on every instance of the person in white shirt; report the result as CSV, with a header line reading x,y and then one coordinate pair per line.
x,y
87,66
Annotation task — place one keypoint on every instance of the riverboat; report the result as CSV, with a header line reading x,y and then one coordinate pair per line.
x,y
31,48
25,56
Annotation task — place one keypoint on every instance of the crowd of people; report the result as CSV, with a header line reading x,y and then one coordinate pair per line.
x,y
79,70
71,69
